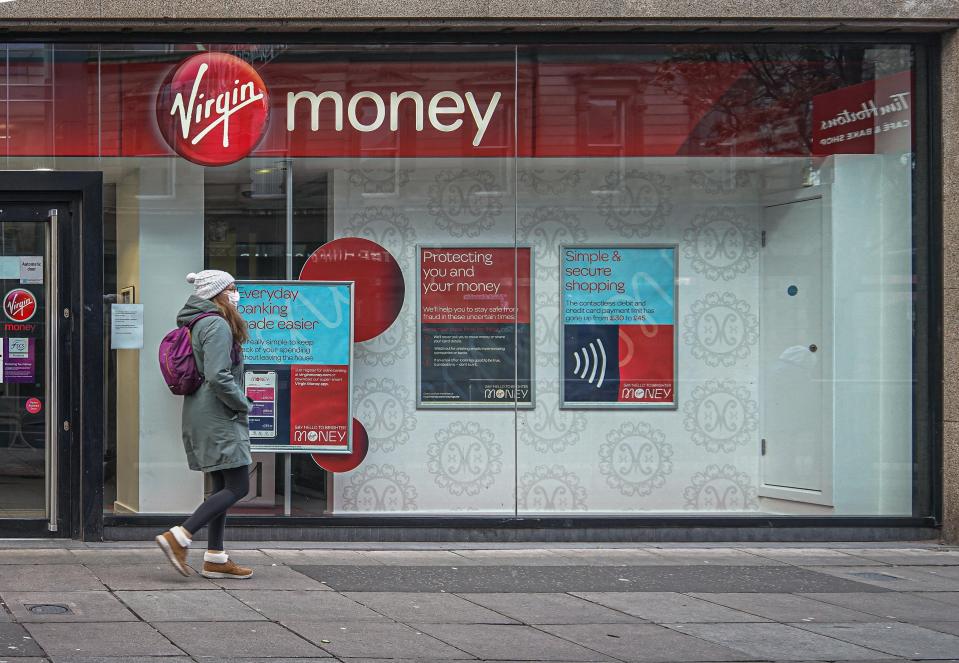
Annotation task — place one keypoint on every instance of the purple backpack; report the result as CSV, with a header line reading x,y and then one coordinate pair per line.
x,y
177,362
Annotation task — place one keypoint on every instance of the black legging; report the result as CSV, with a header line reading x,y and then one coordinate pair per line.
x,y
229,487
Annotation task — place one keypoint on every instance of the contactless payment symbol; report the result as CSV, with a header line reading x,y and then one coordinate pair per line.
x,y
19,305
213,109
589,363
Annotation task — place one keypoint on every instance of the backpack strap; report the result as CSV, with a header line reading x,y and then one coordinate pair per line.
x,y
200,317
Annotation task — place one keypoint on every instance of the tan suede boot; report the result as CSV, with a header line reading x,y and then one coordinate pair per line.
x,y
174,552
228,569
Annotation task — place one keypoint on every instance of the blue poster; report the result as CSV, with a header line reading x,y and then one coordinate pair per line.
x,y
296,323
619,337
298,376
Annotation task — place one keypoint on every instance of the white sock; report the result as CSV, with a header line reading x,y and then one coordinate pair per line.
x,y
215,558
181,536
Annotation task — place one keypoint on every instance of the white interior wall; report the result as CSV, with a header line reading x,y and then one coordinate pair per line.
x,y
171,246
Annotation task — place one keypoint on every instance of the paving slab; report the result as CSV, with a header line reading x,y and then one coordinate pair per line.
x,y
812,556
611,557
37,556
187,606
892,605
644,642
124,659
552,608
896,578
55,577
417,558
667,607
907,556
494,641
943,627
153,555
530,557
907,640
546,579
238,639
320,557
425,608
950,598
375,639
134,577
779,642
84,606
122,640
15,641
788,607
291,606
718,556
273,577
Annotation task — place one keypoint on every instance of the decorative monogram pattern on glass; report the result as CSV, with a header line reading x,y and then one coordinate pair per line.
x,y
547,327
720,244
551,488
379,180
635,204
465,202
465,458
721,329
719,181
389,347
386,410
721,416
635,459
721,489
545,228
386,226
378,488
547,428
553,182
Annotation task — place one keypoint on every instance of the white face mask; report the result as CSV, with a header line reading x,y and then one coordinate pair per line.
x,y
234,297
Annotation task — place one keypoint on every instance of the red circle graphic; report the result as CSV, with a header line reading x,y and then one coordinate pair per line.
x,y
34,405
346,462
19,305
380,288
213,109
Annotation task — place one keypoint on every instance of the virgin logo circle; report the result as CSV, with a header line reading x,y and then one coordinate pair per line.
x,y
212,109
19,305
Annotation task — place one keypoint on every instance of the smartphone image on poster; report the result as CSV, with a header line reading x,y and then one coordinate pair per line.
x,y
261,389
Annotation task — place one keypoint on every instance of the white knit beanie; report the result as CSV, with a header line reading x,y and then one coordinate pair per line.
x,y
210,282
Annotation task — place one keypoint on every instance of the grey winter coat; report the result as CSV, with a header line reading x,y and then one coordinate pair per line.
x,y
216,430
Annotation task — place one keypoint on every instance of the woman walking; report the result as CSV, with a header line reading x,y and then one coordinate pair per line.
x,y
216,431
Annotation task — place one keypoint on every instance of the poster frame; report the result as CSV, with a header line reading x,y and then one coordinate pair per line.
x,y
303,448
514,405
577,405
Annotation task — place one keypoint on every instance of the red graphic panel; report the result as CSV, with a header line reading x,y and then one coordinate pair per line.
x,y
350,461
646,363
319,405
380,288
474,285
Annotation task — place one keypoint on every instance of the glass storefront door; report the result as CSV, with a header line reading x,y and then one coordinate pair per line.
x,y
27,457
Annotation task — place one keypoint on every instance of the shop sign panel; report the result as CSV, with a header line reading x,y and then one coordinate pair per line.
x,y
474,327
868,118
298,373
619,334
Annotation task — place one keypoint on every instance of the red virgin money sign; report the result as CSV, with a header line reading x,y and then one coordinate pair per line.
x,y
868,118
213,109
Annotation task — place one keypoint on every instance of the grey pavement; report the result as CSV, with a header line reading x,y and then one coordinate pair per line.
x,y
359,603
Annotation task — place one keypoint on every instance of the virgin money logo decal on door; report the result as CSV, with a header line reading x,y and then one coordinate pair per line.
x,y
213,109
19,305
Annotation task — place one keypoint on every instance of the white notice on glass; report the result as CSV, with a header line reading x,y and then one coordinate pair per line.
x,y
126,321
9,267
31,269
